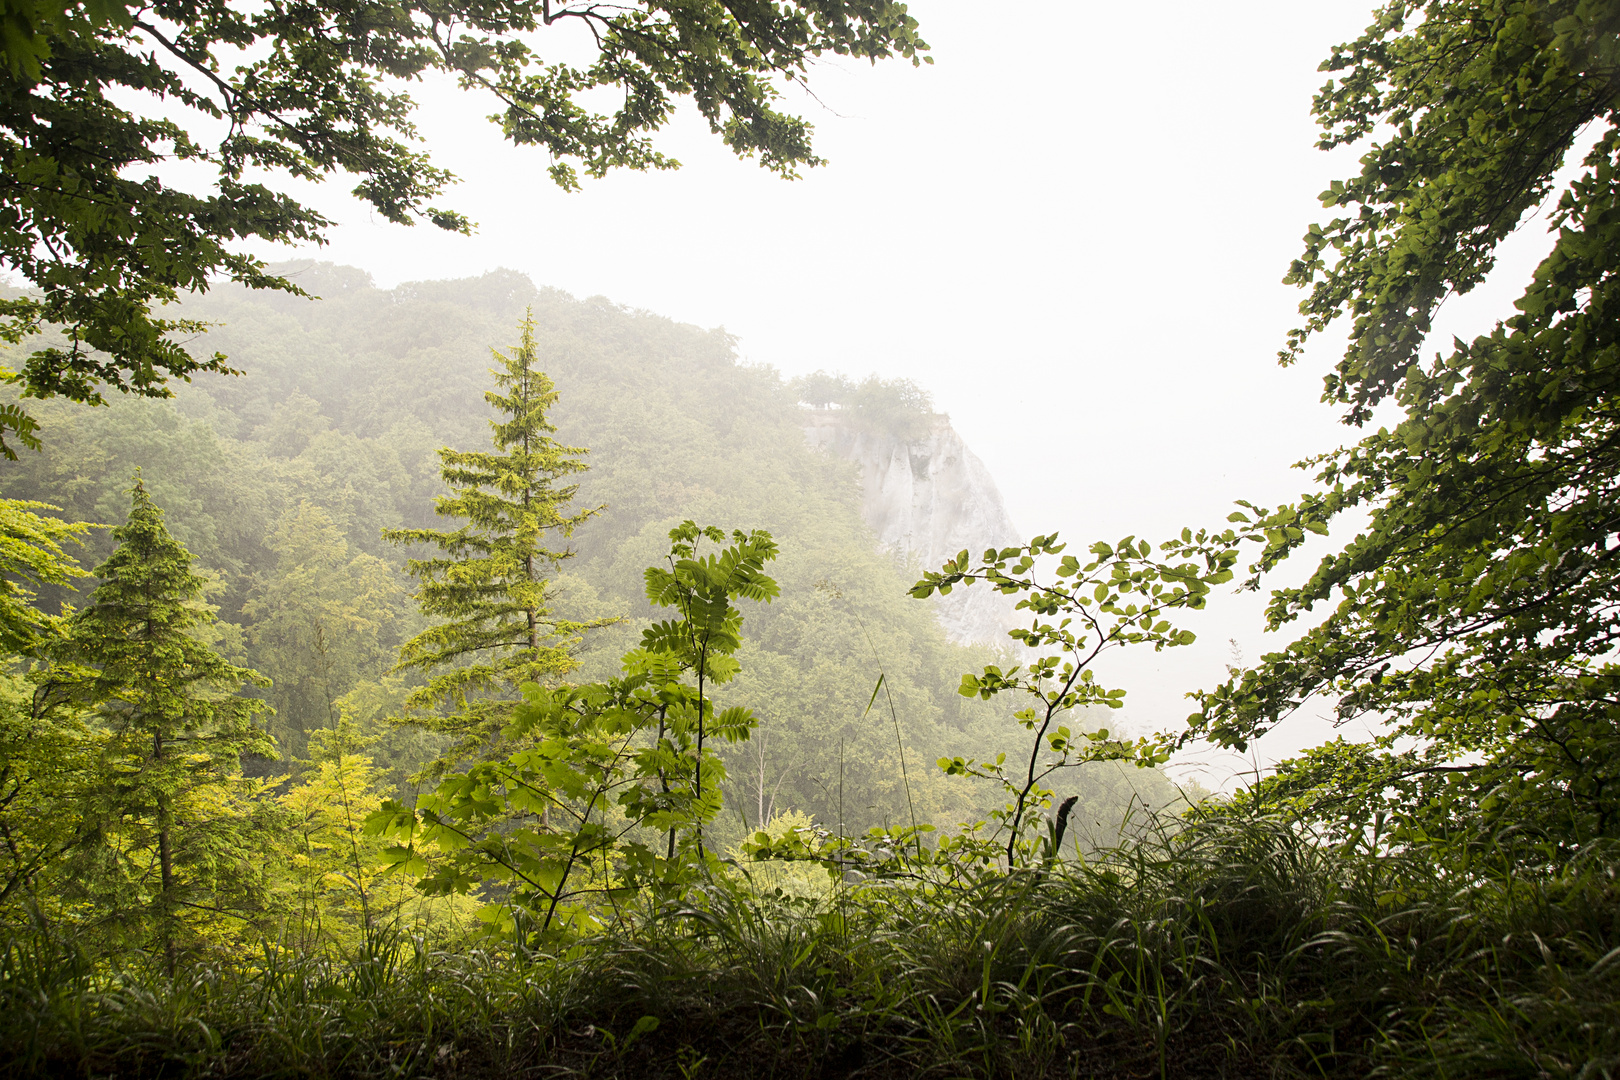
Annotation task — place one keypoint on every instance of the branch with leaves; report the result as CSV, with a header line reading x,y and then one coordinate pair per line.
x,y
1120,597
1473,619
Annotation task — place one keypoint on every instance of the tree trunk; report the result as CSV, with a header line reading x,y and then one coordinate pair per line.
x,y
166,869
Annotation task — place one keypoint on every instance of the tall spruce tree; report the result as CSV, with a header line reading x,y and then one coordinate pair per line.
x,y
491,585
168,819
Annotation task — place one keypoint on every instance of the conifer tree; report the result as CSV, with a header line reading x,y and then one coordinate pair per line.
x,y
173,827
491,585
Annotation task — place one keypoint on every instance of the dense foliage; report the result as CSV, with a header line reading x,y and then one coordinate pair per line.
x,y
562,806
283,481
1236,949
1476,614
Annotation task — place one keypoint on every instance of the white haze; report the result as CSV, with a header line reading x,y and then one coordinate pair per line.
x,y
1070,229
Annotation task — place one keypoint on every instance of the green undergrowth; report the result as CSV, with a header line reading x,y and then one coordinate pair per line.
x,y
1228,948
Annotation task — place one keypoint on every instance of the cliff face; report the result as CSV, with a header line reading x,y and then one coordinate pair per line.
x,y
928,497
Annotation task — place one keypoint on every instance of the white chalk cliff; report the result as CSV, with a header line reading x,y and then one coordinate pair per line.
x,y
928,498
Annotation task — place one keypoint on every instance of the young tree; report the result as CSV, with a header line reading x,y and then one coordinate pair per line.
x,y
491,585
1476,616
1124,595
48,772
335,874
623,763
167,810
305,89
44,755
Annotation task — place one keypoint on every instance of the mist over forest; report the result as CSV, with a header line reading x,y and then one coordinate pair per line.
x,y
461,679
282,481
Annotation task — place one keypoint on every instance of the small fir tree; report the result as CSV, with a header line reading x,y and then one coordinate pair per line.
x,y
491,584
173,827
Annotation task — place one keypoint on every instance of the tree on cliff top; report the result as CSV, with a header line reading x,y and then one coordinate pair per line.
x,y
301,90
897,407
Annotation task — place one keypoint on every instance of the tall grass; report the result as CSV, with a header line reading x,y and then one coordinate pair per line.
x,y
1222,948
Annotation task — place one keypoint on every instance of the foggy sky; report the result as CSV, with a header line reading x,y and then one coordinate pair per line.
x,y
1071,229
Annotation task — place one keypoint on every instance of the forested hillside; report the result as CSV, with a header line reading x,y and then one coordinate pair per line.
x,y
281,481
483,683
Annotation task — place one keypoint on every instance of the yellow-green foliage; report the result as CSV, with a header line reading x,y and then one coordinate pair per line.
x,y
334,885
792,878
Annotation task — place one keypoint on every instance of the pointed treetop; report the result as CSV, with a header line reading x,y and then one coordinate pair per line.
x,y
149,568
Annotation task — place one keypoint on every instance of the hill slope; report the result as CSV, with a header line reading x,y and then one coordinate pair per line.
x,y
329,438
